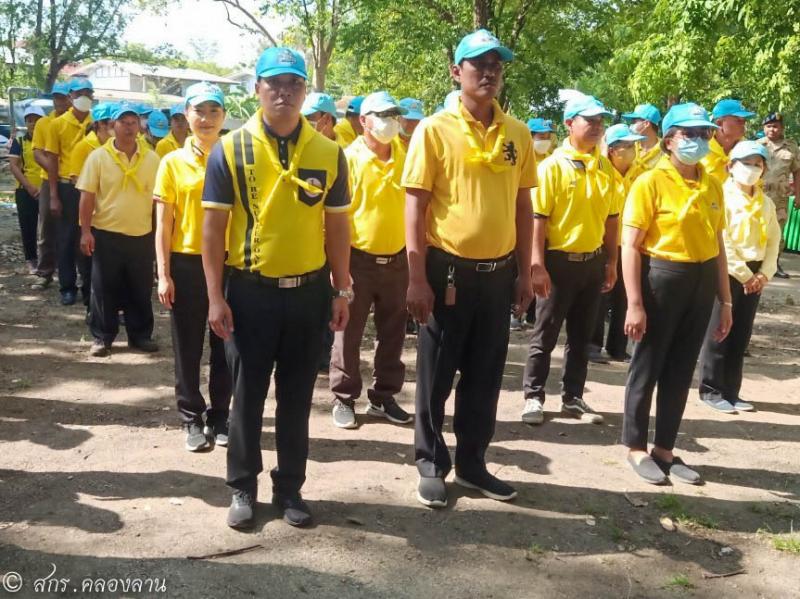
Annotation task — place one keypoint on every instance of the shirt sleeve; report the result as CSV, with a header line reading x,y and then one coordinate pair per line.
x,y
164,190
528,165
89,179
52,142
16,149
40,133
769,265
419,170
640,204
218,190
338,197
544,196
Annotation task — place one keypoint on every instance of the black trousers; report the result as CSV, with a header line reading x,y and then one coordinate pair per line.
x,y
615,304
71,261
281,330
122,279
721,364
470,337
188,319
574,296
28,216
678,298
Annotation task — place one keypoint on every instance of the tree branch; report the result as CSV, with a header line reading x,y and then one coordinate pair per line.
x,y
259,28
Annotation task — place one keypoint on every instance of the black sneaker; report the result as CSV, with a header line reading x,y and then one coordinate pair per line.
x,y
781,274
68,298
389,410
196,439
99,349
218,433
295,511
145,345
575,407
431,491
241,514
489,485
412,327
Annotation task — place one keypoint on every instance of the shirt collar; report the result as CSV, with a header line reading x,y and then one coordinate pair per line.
x,y
293,136
498,116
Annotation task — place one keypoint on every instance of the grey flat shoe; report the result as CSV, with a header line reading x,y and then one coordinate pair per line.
x,y
678,470
718,404
648,470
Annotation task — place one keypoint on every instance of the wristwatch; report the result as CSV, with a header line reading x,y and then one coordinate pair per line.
x,y
347,294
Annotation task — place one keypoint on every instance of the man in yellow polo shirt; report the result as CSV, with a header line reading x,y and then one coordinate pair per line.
x,y
283,186
46,229
468,176
731,117
349,128
178,131
378,265
575,228
62,136
116,216
101,129
644,121
411,119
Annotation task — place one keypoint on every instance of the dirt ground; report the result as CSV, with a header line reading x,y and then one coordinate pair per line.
x,y
95,483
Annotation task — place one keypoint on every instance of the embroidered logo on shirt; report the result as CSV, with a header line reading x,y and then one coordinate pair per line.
x,y
510,153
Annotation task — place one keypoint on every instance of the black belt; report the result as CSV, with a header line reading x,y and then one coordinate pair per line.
x,y
476,265
378,259
579,256
279,282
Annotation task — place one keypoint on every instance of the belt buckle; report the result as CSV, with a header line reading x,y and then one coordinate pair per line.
x,y
382,260
288,282
573,257
485,266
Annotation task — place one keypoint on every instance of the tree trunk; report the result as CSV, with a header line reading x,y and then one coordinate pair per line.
x,y
321,63
481,11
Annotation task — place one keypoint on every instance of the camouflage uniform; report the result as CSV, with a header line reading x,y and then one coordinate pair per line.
x,y
784,159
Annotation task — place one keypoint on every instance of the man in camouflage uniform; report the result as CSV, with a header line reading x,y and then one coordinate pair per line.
x,y
782,178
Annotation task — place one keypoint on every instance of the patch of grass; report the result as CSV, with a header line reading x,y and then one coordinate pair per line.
x,y
675,509
617,534
536,549
679,582
789,543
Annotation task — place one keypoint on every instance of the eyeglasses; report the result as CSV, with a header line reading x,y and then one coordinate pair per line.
x,y
386,114
696,132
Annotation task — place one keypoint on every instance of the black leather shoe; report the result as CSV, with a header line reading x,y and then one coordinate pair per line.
x,y
295,511
146,345
781,274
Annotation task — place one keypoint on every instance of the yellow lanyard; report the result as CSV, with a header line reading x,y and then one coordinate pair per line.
x,y
289,175
479,152
388,176
128,172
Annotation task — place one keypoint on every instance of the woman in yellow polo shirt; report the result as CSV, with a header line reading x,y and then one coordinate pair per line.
x,y
181,281
752,242
673,264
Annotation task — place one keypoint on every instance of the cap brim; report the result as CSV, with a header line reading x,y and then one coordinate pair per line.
x,y
122,113
695,123
631,137
159,132
199,100
414,116
506,55
596,111
742,114
385,108
631,115
282,71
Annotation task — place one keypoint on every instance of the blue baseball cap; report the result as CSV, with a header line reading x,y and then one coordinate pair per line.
x,y
730,107
584,106
354,105
748,148
540,126
78,83
621,132
61,88
142,109
122,109
318,102
198,93
179,108
158,124
381,101
480,42
280,61
102,111
686,115
646,112
414,109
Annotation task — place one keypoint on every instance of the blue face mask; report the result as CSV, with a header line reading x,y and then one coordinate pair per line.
x,y
692,151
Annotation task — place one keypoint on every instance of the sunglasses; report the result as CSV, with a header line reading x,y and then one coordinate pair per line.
x,y
696,132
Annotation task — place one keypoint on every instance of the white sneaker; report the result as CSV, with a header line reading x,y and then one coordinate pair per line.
x,y
344,416
533,413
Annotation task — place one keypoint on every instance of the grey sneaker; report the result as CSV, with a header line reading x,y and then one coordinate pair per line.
x,y
217,432
597,355
389,410
241,514
577,408
431,491
648,470
516,324
718,404
743,406
42,282
344,416
533,412
678,470
196,439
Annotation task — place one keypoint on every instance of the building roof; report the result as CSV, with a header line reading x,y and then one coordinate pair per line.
x,y
148,70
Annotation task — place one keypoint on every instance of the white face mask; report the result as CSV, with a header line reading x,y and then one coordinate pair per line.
x,y
384,129
745,174
541,146
82,103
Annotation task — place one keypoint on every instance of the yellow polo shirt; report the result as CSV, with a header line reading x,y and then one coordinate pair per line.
x,y
577,193
345,134
63,134
167,144
81,152
645,161
30,169
179,182
40,137
472,211
123,204
680,218
377,208
716,162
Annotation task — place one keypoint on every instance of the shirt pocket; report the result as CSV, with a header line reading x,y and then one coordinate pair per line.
x,y
317,178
